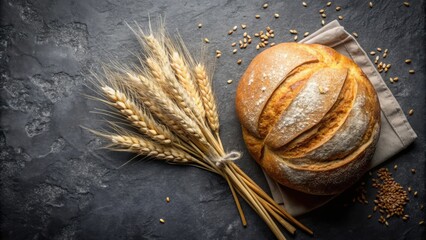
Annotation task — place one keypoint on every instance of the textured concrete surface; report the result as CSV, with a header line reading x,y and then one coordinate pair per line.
x,y
57,184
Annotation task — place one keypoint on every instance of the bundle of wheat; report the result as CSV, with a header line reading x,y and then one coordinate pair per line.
x,y
168,100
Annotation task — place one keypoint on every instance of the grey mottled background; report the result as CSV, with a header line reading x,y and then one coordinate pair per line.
x,y
56,184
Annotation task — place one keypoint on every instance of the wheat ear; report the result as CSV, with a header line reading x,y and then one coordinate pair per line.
x,y
164,76
207,96
184,76
155,49
167,111
148,148
138,118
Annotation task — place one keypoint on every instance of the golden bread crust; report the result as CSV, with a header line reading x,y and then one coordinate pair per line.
x,y
313,124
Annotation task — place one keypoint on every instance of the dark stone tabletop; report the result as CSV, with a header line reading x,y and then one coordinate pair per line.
x,y
57,184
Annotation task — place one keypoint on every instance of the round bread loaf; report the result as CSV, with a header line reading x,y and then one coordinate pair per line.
x,y
310,117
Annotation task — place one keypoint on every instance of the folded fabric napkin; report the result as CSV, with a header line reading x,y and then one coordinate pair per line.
x,y
395,135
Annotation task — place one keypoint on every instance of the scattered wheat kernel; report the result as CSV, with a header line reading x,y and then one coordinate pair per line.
x,y
200,25
407,4
162,221
395,167
385,55
323,15
245,34
234,51
370,4
411,71
338,8
243,26
409,189
321,11
265,5
257,47
304,4
167,199
355,34
321,89
235,28
386,223
396,79
234,44
421,206
306,34
322,22
415,194
369,216
421,222
372,53
239,61
391,80
379,49
408,61
276,15
206,40
272,44
230,32
295,38
257,16
412,111
328,4
340,17
229,81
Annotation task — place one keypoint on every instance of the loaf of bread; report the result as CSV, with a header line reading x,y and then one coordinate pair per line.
x,y
309,116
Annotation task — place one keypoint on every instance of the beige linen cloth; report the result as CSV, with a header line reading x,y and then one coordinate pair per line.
x,y
395,135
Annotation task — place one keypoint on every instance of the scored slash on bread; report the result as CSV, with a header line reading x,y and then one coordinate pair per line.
x,y
310,117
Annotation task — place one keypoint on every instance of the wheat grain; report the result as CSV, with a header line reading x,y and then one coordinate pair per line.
x,y
207,96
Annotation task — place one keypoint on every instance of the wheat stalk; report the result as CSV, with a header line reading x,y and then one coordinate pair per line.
x,y
206,93
179,122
